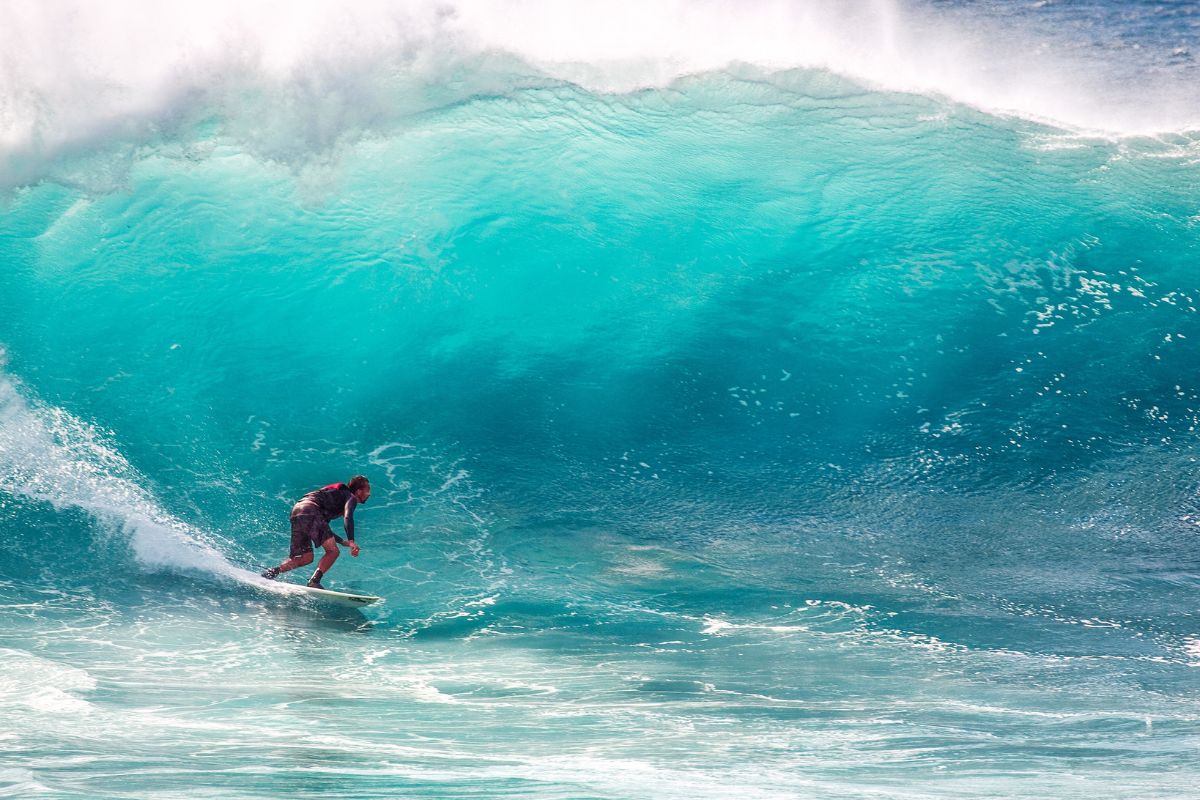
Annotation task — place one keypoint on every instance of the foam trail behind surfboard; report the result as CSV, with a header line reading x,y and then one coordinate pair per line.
x,y
49,455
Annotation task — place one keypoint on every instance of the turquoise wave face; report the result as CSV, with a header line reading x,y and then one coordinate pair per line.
x,y
738,262
734,412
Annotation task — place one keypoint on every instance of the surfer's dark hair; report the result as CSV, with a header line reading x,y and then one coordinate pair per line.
x,y
357,482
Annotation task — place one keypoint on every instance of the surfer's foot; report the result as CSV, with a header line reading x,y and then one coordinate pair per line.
x,y
315,581
271,573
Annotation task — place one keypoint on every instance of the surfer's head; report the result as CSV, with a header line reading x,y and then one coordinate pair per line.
x,y
360,486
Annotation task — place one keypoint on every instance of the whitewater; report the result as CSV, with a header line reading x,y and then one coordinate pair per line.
x,y
768,400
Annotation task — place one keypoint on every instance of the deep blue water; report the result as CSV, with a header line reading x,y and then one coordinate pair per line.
x,y
816,429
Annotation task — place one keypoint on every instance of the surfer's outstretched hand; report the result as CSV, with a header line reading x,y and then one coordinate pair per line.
x,y
354,549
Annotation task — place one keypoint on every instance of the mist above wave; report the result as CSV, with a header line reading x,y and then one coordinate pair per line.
x,y
283,78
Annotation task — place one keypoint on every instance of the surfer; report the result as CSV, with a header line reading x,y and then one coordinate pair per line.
x,y
310,526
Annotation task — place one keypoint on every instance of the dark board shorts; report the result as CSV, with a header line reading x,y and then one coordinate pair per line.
x,y
308,529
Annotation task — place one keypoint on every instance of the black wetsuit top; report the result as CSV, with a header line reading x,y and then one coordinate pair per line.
x,y
330,502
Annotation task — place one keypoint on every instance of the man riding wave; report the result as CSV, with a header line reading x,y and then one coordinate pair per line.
x,y
310,526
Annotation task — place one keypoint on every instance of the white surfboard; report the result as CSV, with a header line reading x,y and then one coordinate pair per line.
x,y
356,599
341,598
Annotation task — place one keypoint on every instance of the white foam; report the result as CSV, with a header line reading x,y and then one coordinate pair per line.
x,y
42,685
75,73
51,456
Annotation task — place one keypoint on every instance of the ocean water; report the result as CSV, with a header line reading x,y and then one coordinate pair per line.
x,y
767,400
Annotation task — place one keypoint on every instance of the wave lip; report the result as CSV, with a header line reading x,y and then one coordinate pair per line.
x,y
75,76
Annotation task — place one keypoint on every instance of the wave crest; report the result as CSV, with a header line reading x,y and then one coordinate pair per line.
x,y
76,77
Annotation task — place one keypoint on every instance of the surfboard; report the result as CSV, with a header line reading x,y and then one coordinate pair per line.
x,y
356,599
342,598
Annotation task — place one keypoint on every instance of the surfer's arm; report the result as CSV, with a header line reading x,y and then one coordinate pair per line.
x,y
348,517
348,523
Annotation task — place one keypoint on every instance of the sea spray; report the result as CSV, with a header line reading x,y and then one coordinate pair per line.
x,y
285,80
52,457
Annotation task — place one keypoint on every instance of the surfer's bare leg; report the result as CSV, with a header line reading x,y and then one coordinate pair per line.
x,y
331,555
296,561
